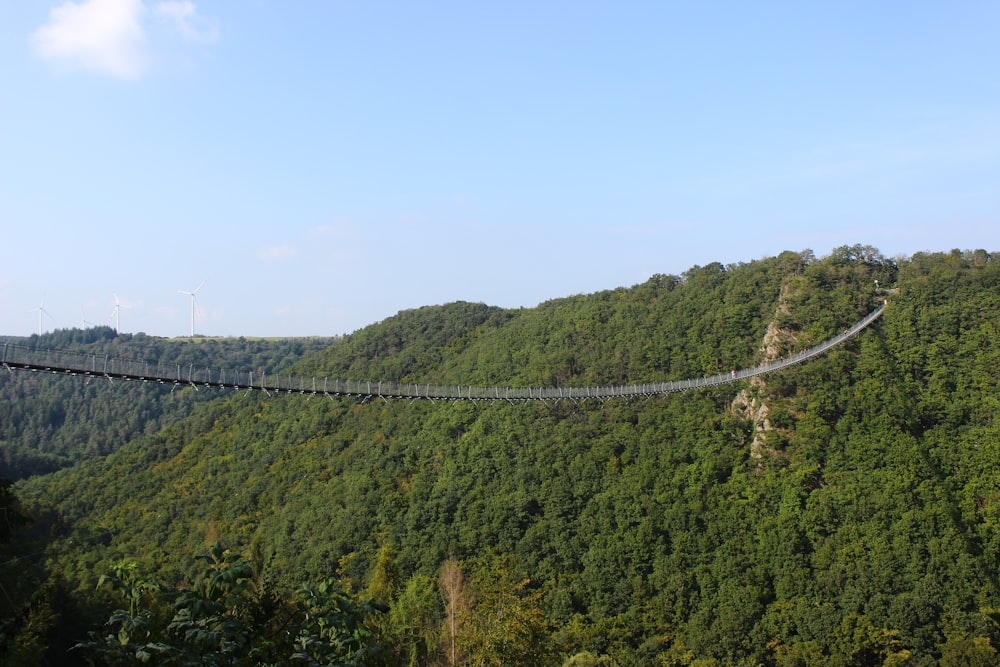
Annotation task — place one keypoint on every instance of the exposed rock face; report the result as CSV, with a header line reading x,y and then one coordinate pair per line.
x,y
777,342
749,403
754,409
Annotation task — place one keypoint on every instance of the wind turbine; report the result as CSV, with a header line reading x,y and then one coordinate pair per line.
x,y
114,313
194,301
41,309
85,323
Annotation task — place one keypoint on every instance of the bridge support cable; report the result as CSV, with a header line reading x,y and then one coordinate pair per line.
x,y
18,357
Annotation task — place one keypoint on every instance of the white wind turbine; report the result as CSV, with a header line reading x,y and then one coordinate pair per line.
x,y
114,313
41,310
194,301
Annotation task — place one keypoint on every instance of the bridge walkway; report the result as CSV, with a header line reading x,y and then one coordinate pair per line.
x,y
18,357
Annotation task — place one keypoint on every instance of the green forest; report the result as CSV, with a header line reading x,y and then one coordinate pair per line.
x,y
47,424
841,512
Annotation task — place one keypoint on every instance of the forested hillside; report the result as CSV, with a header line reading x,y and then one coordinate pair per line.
x,y
47,423
841,512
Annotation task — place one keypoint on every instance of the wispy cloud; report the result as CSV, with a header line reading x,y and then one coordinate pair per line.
x,y
337,227
276,253
110,36
191,25
865,160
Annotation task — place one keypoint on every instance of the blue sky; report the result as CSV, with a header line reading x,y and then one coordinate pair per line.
x,y
323,165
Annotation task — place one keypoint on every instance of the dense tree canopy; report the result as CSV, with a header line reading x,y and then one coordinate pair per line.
x,y
47,424
841,512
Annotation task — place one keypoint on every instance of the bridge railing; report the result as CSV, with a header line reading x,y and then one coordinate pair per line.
x,y
14,356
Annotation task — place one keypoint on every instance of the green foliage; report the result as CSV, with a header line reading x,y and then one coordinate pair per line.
x,y
505,624
222,618
334,628
48,422
130,632
12,516
411,631
31,605
859,525
588,659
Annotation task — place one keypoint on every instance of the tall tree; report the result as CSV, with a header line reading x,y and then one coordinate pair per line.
x,y
506,626
456,605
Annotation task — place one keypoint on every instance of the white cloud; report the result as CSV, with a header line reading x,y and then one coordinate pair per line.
x,y
110,36
185,16
97,35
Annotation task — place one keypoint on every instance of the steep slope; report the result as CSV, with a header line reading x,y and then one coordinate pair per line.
x,y
858,527
47,424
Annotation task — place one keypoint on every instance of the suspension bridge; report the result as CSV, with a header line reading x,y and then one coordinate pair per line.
x,y
18,357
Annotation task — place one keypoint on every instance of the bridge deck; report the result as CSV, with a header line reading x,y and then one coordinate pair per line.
x,y
16,357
